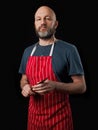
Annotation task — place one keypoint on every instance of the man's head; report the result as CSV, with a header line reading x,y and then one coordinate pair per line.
x,y
45,22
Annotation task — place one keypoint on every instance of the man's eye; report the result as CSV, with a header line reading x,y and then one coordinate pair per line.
x,y
37,19
48,18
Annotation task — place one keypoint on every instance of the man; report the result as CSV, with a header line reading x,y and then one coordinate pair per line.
x,y
58,64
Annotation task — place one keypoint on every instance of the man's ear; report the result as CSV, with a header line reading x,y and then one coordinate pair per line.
x,y
56,24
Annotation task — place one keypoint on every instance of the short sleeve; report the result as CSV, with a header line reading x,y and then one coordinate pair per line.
x,y
23,63
75,64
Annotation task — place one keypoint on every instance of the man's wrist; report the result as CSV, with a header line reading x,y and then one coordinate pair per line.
x,y
23,85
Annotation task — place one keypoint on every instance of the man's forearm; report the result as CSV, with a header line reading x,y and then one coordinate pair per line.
x,y
23,81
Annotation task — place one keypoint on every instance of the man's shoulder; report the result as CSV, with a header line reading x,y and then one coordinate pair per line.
x,y
30,47
65,44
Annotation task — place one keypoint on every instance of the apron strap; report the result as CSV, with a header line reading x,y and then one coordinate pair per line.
x,y
33,50
51,51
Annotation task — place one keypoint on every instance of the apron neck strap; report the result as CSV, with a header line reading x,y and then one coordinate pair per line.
x,y
51,51
33,50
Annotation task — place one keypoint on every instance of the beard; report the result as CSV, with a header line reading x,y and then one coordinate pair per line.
x,y
45,35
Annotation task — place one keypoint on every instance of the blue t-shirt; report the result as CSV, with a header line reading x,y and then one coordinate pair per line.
x,y
65,59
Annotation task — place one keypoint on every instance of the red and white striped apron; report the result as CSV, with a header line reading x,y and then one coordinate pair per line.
x,y
50,111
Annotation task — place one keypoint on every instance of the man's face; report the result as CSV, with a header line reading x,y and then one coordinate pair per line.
x,y
45,23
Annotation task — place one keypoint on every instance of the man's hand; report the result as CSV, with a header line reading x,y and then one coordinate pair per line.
x,y
44,87
26,90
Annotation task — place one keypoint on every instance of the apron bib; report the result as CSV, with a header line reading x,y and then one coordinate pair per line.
x,y
52,110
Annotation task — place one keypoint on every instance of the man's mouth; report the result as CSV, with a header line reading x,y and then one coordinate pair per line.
x,y
43,29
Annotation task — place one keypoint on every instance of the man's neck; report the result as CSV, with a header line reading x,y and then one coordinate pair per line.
x,y
45,42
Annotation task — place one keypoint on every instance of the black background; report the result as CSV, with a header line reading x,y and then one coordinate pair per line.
x,y
78,25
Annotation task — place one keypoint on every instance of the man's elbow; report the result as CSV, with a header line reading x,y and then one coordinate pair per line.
x,y
83,89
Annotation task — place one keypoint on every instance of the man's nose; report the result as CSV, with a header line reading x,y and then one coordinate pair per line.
x,y
43,21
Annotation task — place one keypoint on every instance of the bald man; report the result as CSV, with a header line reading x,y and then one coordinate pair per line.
x,y
51,70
